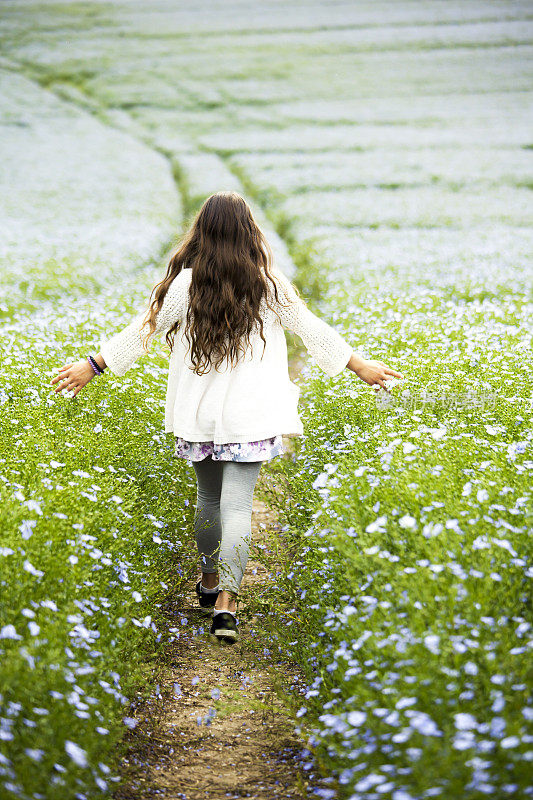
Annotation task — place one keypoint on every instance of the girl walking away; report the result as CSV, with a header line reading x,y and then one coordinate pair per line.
x,y
223,305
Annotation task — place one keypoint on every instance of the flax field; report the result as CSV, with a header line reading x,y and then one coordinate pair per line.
x,y
386,148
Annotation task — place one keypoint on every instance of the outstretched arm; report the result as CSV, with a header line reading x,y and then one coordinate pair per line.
x,y
120,352
328,348
323,343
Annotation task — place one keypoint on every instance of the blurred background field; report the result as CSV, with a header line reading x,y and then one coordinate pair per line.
x,y
386,150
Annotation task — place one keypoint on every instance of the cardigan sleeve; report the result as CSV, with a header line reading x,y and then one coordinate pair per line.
x,y
124,348
323,343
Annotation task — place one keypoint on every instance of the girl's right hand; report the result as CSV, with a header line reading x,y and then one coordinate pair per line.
x,y
375,373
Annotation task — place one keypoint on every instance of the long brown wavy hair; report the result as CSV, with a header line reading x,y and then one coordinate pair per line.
x,y
230,260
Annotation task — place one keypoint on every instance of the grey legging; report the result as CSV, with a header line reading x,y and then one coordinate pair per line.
x,y
223,517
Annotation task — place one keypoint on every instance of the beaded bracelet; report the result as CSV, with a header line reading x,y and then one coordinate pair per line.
x,y
96,368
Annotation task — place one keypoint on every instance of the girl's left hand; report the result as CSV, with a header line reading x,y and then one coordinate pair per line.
x,y
73,377
375,373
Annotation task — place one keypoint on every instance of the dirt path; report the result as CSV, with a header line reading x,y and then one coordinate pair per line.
x,y
248,749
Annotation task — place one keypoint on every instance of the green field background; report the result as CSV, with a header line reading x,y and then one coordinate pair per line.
x,y
386,150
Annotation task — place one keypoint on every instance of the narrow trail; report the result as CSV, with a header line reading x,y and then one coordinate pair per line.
x,y
248,748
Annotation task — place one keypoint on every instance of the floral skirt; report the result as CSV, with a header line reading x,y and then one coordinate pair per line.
x,y
262,450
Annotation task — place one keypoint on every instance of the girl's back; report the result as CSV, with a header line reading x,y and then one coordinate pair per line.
x,y
251,399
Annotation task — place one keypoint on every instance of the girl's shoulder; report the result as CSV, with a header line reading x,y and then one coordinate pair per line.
x,y
283,283
181,281
281,279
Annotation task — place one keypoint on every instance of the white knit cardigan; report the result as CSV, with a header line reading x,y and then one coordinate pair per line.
x,y
253,400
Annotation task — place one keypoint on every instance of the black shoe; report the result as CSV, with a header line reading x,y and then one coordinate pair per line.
x,y
224,628
206,600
